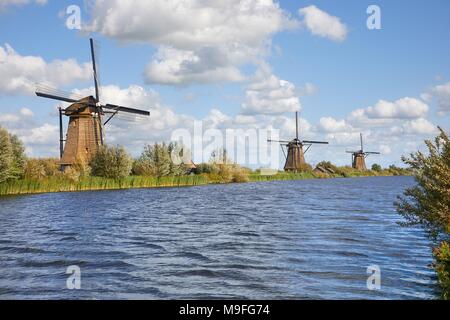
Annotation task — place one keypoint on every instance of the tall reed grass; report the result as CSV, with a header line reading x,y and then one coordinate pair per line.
x,y
61,184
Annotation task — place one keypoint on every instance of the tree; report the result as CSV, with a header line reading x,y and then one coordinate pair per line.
x,y
111,162
19,158
376,167
6,155
428,203
156,161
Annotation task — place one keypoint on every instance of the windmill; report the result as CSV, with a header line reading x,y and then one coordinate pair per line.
x,y
295,158
359,157
85,132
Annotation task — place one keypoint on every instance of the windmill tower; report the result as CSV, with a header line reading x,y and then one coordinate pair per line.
x,y
359,157
295,158
85,129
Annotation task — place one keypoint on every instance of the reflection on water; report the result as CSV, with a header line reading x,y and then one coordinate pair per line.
x,y
308,239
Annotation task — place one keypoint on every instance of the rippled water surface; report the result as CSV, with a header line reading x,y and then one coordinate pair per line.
x,y
309,239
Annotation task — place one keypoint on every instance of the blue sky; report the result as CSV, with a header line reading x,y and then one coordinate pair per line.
x,y
407,58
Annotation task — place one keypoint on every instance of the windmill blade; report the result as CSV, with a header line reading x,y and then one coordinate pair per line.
x,y
94,67
130,117
54,97
55,94
280,141
352,151
314,142
371,152
126,109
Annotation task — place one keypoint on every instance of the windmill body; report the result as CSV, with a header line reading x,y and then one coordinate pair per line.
x,y
84,133
85,129
295,158
359,157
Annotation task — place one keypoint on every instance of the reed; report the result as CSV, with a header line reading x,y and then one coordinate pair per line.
x,y
61,184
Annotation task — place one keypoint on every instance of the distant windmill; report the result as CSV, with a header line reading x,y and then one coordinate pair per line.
x,y
85,129
295,159
359,157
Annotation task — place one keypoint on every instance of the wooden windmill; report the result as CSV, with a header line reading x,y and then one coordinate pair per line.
x,y
85,132
295,158
359,157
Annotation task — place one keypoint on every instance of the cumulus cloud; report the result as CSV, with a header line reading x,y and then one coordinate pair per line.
x,y
198,41
329,124
204,41
181,67
442,94
405,108
267,94
6,3
420,126
21,73
322,24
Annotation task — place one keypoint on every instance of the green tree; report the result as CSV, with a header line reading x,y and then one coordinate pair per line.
x,y
19,158
156,160
376,167
6,155
111,162
428,203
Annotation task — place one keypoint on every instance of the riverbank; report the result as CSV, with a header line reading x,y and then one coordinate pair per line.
x,y
62,184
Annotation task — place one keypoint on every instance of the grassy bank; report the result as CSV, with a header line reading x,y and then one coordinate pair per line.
x,y
63,184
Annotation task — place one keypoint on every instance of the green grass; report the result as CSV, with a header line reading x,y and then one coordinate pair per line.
x,y
61,184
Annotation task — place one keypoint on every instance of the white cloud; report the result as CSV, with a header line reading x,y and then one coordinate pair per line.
x,y
6,3
420,126
442,94
322,24
198,41
19,74
385,149
26,112
405,108
329,124
267,94
181,67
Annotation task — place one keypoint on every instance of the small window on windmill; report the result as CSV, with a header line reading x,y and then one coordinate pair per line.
x,y
87,150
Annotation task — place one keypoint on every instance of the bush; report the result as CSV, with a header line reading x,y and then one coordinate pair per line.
x,y
156,161
442,267
38,169
376,167
206,168
6,155
240,174
111,162
78,170
12,156
428,203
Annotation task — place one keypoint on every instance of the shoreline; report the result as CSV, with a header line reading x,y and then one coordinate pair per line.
x,y
59,185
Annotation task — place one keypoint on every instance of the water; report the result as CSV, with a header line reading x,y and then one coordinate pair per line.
x,y
309,239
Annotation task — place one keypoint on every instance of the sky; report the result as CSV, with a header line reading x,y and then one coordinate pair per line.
x,y
234,65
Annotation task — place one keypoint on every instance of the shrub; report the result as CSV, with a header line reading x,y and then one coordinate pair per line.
x,y
38,169
240,174
442,267
78,170
6,155
376,167
156,161
428,203
111,162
